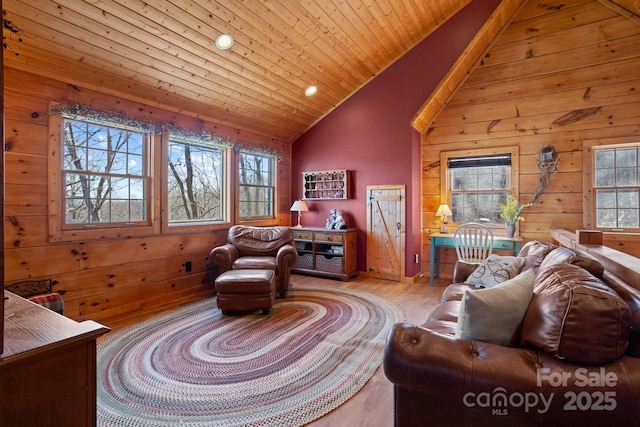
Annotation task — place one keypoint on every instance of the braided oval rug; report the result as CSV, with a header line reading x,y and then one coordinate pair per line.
x,y
193,366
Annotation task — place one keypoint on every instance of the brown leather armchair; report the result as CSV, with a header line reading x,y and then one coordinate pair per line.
x,y
265,248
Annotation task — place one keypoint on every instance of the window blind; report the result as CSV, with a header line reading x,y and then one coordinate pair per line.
x,y
477,161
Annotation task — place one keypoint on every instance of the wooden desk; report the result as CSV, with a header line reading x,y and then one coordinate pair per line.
x,y
47,368
442,240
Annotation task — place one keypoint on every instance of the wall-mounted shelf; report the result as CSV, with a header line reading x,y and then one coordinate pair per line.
x,y
326,184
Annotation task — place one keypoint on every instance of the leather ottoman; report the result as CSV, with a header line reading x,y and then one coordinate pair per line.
x,y
246,290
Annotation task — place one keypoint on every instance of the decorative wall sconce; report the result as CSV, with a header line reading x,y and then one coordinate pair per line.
x,y
548,165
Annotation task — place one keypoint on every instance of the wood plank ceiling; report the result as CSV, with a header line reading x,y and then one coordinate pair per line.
x,y
163,52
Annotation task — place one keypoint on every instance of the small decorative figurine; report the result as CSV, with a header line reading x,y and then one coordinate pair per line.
x,y
339,223
332,219
335,220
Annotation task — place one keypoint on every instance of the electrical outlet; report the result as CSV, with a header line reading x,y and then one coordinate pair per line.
x,y
187,266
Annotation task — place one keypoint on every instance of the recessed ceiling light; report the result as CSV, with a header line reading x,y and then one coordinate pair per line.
x,y
224,41
311,90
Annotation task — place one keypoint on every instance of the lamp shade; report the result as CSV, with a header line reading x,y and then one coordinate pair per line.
x,y
299,206
444,210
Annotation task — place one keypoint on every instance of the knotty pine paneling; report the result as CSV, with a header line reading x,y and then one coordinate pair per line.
x,y
611,95
104,279
23,200
590,77
627,244
163,53
24,231
25,169
541,19
562,72
137,299
25,138
568,60
540,124
632,6
561,40
87,284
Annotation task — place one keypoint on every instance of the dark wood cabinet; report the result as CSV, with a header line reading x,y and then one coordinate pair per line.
x,y
48,367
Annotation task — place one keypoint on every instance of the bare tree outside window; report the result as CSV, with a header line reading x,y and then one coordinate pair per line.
x,y
257,185
107,180
104,174
195,188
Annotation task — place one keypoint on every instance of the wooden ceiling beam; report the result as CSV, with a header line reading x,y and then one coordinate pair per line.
x,y
467,61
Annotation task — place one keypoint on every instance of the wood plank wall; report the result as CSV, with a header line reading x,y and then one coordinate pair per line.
x,y
561,73
102,279
3,192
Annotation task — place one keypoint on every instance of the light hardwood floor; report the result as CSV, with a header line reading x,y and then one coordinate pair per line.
x,y
372,406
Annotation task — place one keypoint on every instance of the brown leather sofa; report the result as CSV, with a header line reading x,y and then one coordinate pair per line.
x,y
264,248
573,359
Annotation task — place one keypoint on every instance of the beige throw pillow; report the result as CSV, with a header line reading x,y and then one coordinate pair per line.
x,y
493,314
495,269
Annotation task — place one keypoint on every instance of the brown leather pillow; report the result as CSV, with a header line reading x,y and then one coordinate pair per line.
x,y
573,256
589,263
575,316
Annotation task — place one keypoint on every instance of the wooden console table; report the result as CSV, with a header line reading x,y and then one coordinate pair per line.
x,y
324,252
47,367
445,240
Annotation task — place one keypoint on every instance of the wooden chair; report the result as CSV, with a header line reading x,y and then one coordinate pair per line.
x,y
473,242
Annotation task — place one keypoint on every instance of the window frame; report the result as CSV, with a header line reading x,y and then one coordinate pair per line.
x,y
588,165
58,229
256,220
190,227
157,166
445,176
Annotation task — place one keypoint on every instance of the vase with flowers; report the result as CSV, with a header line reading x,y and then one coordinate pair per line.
x,y
511,213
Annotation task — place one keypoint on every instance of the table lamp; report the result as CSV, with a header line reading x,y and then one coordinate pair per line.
x,y
443,213
299,206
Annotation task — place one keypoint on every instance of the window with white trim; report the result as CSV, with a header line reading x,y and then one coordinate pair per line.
x,y
616,186
257,180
